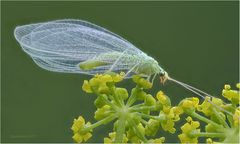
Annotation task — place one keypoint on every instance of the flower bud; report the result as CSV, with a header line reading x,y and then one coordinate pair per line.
x,y
102,112
99,102
152,127
163,99
122,92
150,100
86,87
143,83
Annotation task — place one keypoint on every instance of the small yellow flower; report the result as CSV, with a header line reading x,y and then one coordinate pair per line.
x,y
112,137
209,141
104,78
205,107
118,77
187,128
102,112
231,95
238,85
168,126
189,104
77,138
195,124
177,112
142,82
78,125
141,95
157,141
210,128
163,99
172,115
150,100
99,83
99,102
86,87
80,138
227,87
95,81
217,101
122,92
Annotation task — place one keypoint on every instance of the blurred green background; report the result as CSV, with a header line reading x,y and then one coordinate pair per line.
x,y
196,42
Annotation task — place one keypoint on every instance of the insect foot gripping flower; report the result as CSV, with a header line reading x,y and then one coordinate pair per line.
x,y
136,116
221,118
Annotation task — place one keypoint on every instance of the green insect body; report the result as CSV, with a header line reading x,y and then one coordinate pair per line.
x,y
91,64
139,64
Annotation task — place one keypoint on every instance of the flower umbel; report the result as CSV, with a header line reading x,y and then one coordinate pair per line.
x,y
132,113
222,119
138,116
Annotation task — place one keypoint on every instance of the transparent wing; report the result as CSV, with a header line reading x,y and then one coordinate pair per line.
x,y
62,44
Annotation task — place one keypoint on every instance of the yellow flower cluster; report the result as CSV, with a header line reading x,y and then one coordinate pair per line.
x,y
206,106
188,128
77,127
142,82
133,114
100,83
231,95
189,104
157,140
112,137
171,113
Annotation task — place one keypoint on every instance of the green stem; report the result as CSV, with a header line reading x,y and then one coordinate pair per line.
x,y
137,131
103,121
206,134
196,115
115,97
108,102
144,121
133,96
120,99
222,121
120,130
159,118
138,105
138,109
